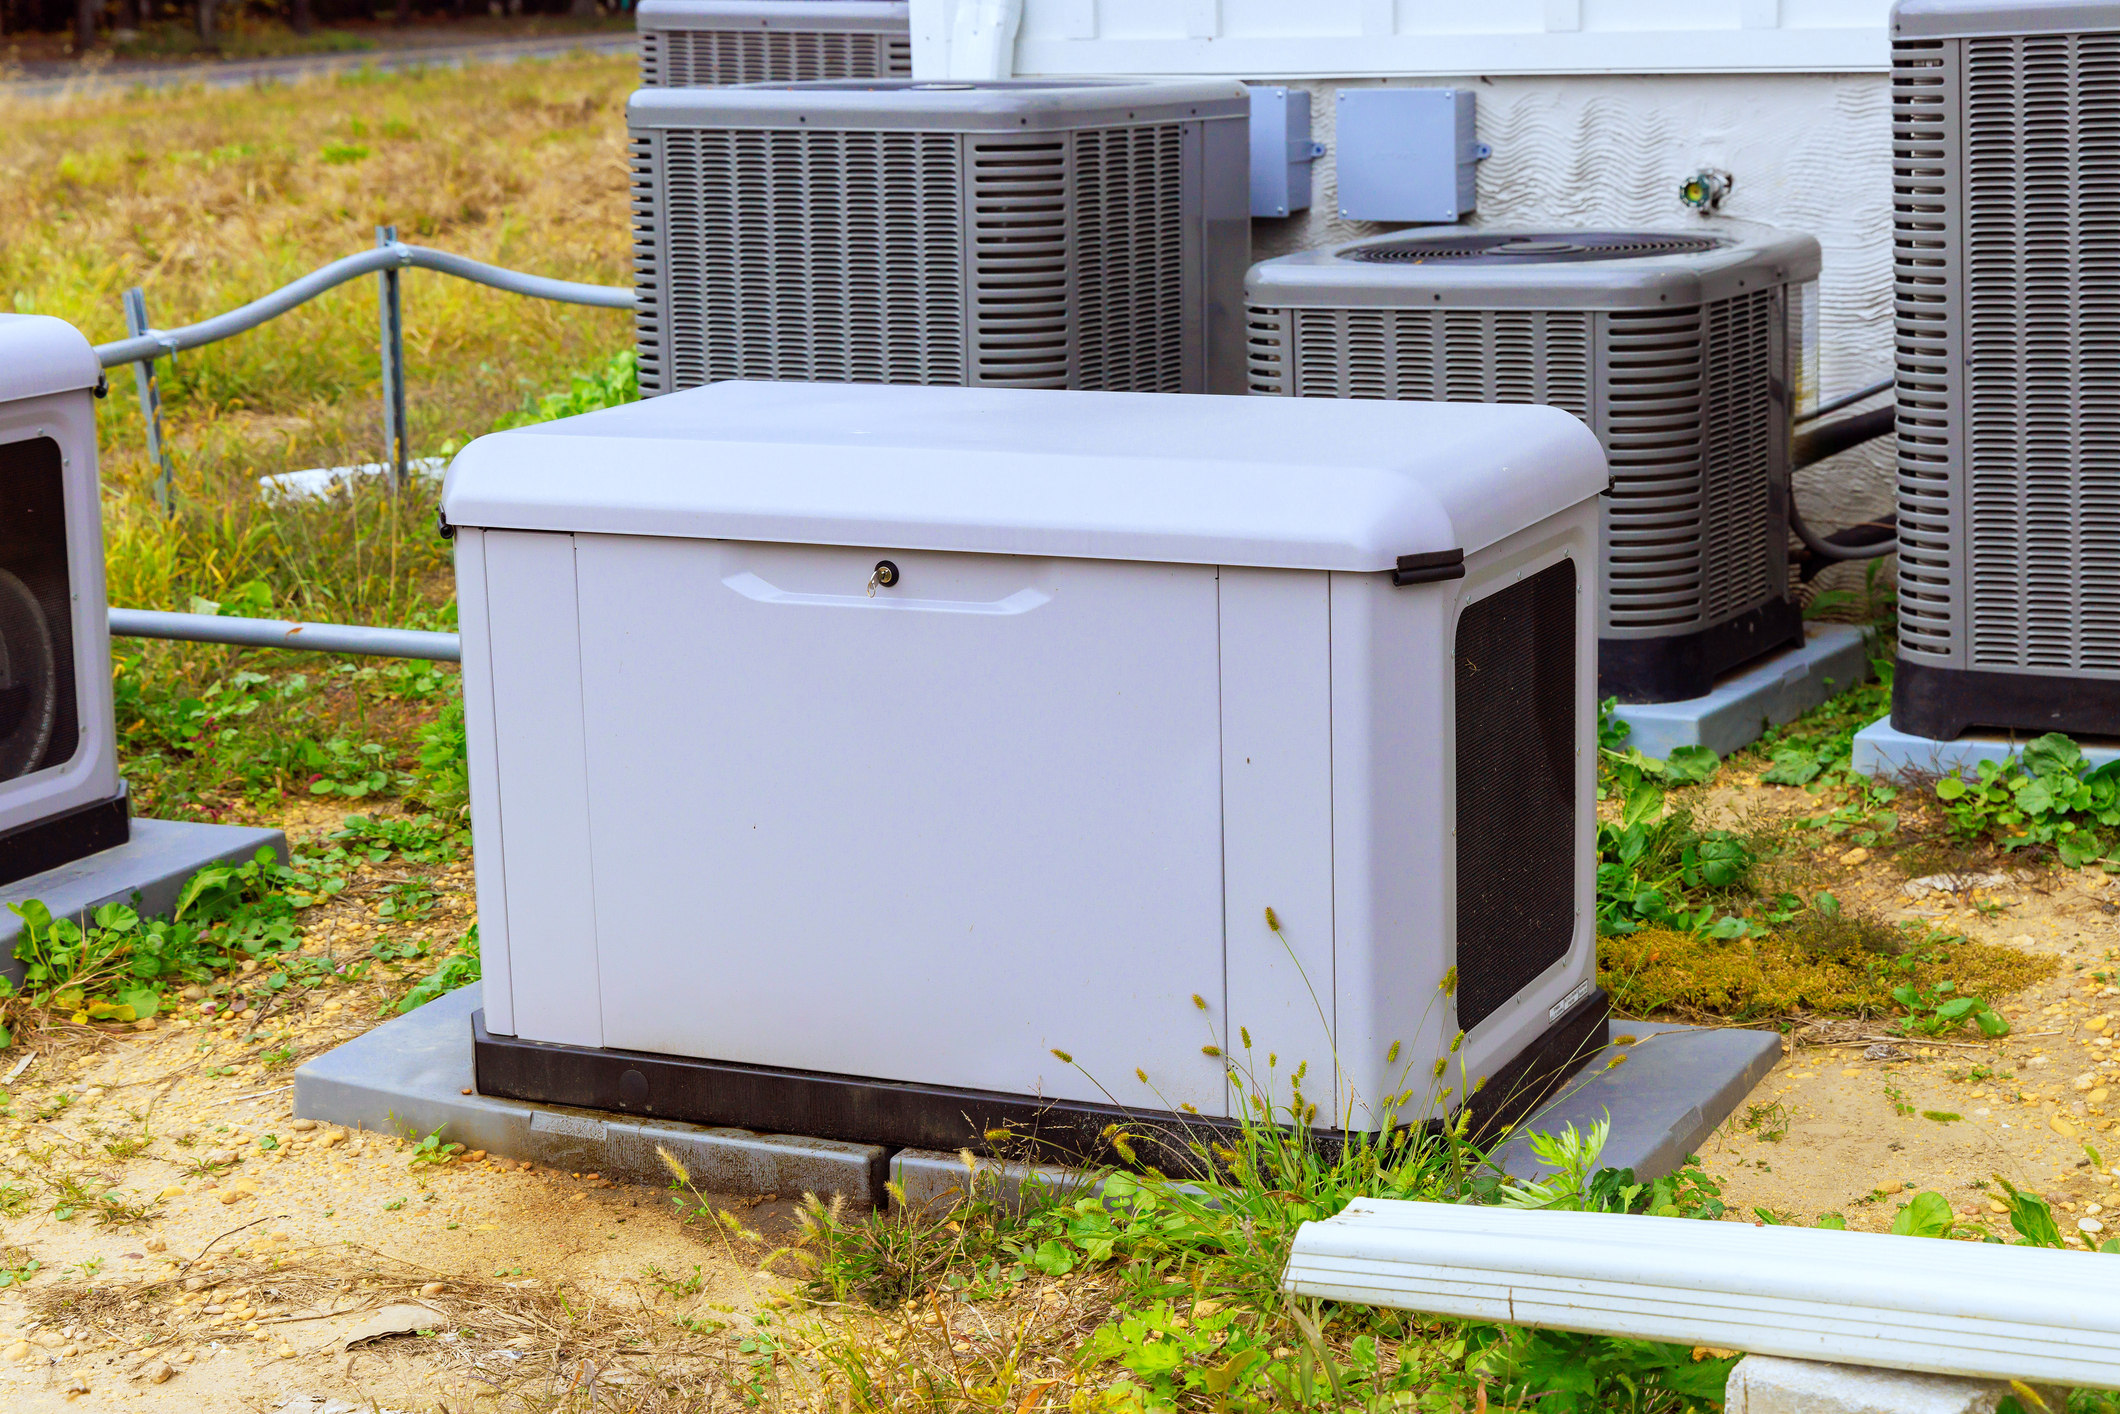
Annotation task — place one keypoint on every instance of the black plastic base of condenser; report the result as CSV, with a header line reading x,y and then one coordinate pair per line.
x,y
908,1116
1942,704
1686,665
61,839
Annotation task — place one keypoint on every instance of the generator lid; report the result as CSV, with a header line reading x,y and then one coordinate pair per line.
x,y
859,16
1292,483
1970,19
1544,268
936,105
40,355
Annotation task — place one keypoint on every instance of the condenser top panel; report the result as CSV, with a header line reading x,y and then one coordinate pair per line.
x,y
1289,483
1545,269
40,355
1973,19
997,105
843,16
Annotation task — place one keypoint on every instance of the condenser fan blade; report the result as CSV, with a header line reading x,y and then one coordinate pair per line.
x,y
29,680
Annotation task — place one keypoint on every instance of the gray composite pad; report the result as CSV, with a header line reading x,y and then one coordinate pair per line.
x,y
155,864
408,1077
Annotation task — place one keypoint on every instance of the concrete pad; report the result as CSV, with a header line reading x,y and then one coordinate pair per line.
x,y
147,871
931,1179
412,1075
1674,1085
1880,749
1778,688
1767,1384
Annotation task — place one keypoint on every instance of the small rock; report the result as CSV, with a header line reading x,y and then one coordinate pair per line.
x,y
1883,1052
1890,1188
432,1288
231,1196
195,1283
2089,1225
303,1126
159,1372
331,1137
76,1387
175,1190
2040,1060
1855,855
20,1351
155,1244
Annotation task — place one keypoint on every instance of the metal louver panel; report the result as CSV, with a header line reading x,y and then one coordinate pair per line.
x,y
1461,355
648,280
1020,256
1744,364
1926,291
1654,403
704,58
1266,336
2041,169
1129,258
810,255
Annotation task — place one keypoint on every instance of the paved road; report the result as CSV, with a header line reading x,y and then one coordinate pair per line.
x,y
53,80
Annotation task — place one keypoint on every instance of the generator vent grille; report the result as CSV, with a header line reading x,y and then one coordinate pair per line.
x,y
807,255
39,722
703,58
1516,763
2042,339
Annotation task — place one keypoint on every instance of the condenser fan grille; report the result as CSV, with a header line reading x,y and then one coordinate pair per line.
x,y
1558,248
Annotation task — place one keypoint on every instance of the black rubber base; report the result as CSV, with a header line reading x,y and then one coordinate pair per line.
x,y
907,1116
61,839
1686,665
1943,703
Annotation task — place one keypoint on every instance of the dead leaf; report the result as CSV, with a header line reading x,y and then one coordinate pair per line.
x,y
395,1320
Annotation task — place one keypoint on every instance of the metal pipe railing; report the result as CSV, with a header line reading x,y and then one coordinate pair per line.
x,y
386,261
286,633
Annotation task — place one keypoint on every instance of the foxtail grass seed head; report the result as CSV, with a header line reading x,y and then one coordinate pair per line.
x,y
1456,1041
1301,1071
1391,1056
1272,920
1199,1001
1140,1075
1210,1050
1441,1065
1244,1034
995,1136
1125,1149
1449,983
1189,1109
1062,1056
669,1161
1478,1085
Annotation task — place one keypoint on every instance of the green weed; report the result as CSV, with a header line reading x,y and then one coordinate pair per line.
x,y
2049,796
1938,1010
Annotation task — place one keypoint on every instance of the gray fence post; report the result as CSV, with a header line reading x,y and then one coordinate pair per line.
x,y
393,340
151,404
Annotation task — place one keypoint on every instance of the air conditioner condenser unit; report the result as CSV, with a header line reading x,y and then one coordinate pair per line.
x,y
1679,350
60,796
701,43
2005,163
899,764
1083,233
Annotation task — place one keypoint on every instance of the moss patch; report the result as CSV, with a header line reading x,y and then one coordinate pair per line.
x,y
1830,968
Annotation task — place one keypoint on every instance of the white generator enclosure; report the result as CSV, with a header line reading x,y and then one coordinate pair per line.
x,y
896,764
1087,234
60,796
2006,172
701,43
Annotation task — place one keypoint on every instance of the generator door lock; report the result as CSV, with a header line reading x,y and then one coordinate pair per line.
x,y
885,575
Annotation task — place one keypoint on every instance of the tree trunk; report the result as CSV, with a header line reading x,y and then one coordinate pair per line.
x,y
205,18
404,12
129,15
304,17
85,13
584,9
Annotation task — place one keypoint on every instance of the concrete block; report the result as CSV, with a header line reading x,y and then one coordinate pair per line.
x,y
1766,1384
931,1179
1880,749
147,871
1665,1098
413,1074
1778,688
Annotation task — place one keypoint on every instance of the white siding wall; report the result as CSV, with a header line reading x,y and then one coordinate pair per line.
x,y
1596,110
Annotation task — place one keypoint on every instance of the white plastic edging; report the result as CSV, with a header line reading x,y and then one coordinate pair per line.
x,y
1948,1308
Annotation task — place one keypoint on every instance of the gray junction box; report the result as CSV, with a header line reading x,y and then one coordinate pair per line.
x,y
1085,233
841,754
1406,154
1282,154
703,43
